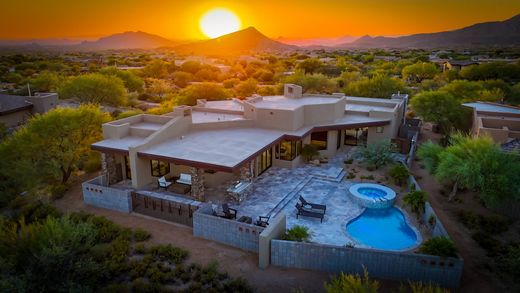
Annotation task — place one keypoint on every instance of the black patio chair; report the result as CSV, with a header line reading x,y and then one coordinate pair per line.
x,y
314,206
262,221
309,213
229,213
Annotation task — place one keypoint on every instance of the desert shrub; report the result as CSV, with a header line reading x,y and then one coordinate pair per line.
x,y
139,248
128,113
168,253
491,224
351,175
399,173
93,162
440,246
37,211
488,242
297,233
376,154
352,283
106,230
420,287
416,200
509,262
309,151
237,285
141,235
348,161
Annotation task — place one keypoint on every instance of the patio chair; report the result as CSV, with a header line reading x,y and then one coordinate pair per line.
x,y
262,221
309,213
313,206
184,179
163,183
229,213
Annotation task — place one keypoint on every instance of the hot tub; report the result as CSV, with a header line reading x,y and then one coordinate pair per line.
x,y
374,196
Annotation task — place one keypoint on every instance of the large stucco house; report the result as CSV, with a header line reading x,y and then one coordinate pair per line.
x,y
16,110
217,141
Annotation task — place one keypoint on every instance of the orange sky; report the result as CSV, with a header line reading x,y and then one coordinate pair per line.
x,y
22,19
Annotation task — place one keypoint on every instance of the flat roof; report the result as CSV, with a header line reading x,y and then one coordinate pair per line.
x,y
11,104
368,108
224,105
284,103
203,117
491,107
121,144
220,147
147,125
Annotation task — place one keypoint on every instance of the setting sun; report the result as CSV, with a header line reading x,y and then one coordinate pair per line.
x,y
218,22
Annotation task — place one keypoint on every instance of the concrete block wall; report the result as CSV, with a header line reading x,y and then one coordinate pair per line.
x,y
380,264
276,228
106,197
230,232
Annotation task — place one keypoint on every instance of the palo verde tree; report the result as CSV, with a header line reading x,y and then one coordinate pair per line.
x,y
95,88
49,148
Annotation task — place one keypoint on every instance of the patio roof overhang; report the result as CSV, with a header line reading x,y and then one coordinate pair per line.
x,y
236,167
108,150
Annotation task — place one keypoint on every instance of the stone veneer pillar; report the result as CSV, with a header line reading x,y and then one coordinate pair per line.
x,y
108,168
246,173
197,183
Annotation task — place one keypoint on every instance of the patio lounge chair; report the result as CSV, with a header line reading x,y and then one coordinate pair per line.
x,y
184,179
313,206
262,221
229,213
163,183
309,213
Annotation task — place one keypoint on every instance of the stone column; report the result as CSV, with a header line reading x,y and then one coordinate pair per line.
x,y
197,183
108,168
246,173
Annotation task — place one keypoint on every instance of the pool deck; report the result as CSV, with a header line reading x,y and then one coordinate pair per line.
x,y
278,190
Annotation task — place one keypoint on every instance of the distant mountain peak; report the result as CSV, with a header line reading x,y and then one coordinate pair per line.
x,y
242,41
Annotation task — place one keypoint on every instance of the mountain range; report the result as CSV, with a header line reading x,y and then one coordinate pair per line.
x,y
497,33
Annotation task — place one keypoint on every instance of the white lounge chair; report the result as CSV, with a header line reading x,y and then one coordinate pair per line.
x,y
184,179
163,183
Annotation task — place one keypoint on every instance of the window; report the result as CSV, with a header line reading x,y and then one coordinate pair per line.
x,y
264,161
319,139
290,90
128,170
159,168
357,136
288,150
338,141
380,129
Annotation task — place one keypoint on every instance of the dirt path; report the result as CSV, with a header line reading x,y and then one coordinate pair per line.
x,y
475,277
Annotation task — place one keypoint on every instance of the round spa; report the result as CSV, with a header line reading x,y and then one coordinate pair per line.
x,y
374,196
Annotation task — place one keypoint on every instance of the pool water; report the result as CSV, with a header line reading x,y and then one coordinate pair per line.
x,y
372,192
384,229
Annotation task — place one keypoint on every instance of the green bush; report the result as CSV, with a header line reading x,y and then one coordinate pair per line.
x,y
36,211
376,154
141,235
416,200
351,283
488,242
399,173
93,163
492,224
440,246
297,233
169,253
509,262
419,287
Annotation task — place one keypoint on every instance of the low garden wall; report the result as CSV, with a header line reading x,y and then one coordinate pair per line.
x,y
445,271
94,193
230,232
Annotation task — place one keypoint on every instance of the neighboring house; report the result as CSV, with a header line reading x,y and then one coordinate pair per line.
x,y
219,141
16,110
500,122
458,65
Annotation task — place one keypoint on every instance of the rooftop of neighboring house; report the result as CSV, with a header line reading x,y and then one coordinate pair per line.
x,y
12,104
493,108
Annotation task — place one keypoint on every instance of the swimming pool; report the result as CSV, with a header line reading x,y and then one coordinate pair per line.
x,y
384,229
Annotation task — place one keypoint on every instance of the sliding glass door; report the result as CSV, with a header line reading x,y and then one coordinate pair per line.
x,y
264,161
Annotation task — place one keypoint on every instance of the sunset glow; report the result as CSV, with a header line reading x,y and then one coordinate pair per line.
x,y
218,22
